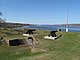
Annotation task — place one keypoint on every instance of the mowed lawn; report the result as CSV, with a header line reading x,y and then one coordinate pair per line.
x,y
66,47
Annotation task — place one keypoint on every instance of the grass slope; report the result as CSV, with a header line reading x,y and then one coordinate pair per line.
x,y
65,48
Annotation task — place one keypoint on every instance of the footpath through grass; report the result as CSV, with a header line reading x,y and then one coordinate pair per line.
x,y
65,48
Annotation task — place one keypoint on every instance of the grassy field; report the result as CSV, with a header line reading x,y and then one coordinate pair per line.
x,y
65,48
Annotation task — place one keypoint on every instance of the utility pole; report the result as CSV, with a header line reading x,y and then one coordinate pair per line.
x,y
67,22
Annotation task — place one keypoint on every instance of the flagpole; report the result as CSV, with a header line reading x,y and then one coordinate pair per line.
x,y
67,22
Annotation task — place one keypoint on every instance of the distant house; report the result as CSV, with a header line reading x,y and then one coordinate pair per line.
x,y
2,20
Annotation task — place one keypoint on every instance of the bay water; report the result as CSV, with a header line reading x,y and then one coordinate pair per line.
x,y
55,27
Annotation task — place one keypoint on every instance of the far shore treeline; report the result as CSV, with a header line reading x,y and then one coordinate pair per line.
x,y
12,25
5,24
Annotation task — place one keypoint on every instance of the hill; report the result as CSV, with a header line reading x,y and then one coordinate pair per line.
x,y
65,48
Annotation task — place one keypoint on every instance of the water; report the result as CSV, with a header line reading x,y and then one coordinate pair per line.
x,y
55,27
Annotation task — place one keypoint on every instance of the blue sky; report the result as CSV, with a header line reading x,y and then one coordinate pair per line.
x,y
41,11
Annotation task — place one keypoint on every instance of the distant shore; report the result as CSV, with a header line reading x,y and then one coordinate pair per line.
x,y
12,25
71,24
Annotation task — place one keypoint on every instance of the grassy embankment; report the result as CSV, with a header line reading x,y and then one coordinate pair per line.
x,y
65,48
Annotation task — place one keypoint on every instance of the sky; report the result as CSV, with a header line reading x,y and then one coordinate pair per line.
x,y
41,11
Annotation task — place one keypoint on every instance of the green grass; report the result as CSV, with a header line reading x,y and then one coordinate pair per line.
x,y
65,48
